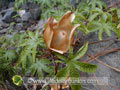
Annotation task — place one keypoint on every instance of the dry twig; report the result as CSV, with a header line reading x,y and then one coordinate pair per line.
x,y
101,53
118,70
115,38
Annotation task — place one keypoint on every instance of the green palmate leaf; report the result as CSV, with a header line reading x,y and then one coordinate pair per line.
x,y
18,3
85,67
23,56
102,25
104,16
118,26
24,43
98,10
10,55
74,75
73,71
40,66
33,40
76,87
58,61
70,52
31,34
34,53
115,12
108,32
80,16
44,3
100,34
109,17
30,45
115,17
118,13
112,9
82,27
99,3
63,73
117,31
92,26
37,34
81,52
92,17
60,56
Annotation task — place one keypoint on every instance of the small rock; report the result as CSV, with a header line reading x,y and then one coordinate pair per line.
x,y
18,26
25,6
21,12
3,31
26,25
1,17
1,28
0,22
26,17
8,15
31,28
40,25
18,20
11,4
36,13
4,25
33,8
22,31
117,43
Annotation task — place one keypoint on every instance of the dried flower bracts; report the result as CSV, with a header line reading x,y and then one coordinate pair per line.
x,y
58,36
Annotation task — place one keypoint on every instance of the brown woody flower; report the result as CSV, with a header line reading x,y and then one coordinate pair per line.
x,y
59,36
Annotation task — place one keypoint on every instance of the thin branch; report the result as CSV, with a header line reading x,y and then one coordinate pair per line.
x,y
101,53
108,46
115,38
118,70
